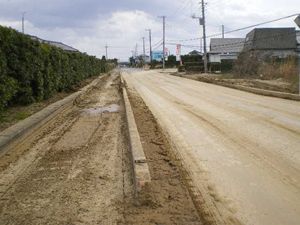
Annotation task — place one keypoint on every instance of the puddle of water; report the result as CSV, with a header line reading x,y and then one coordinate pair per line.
x,y
99,110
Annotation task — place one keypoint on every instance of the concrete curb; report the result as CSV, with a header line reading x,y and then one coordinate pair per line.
x,y
140,166
32,123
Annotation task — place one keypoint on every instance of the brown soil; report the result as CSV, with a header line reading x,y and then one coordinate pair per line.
x,y
70,171
76,169
166,200
272,85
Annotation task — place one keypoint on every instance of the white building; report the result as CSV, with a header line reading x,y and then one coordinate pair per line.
x,y
225,48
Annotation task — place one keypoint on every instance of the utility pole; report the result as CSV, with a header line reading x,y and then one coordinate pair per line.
x,y
136,50
204,35
202,23
223,31
23,22
106,54
201,47
150,42
164,40
144,50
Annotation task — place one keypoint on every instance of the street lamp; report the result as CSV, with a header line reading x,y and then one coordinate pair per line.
x,y
297,21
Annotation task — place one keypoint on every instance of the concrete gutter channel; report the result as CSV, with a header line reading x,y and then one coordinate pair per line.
x,y
139,161
23,128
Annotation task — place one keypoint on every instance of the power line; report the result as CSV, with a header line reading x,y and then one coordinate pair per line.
x,y
180,8
239,29
239,43
158,46
158,43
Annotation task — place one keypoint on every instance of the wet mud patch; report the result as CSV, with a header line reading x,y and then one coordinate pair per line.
x,y
96,111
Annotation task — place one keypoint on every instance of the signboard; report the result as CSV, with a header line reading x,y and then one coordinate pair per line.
x,y
157,55
166,52
178,52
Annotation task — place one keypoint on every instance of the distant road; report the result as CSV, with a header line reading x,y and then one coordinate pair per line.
x,y
242,149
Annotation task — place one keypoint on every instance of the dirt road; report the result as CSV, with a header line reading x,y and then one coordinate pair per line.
x,y
71,172
76,169
242,150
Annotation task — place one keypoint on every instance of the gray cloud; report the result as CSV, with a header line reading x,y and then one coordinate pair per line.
x,y
90,24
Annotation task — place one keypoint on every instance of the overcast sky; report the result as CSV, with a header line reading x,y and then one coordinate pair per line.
x,y
89,25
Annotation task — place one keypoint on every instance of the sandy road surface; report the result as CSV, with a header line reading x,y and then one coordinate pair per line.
x,y
72,171
242,150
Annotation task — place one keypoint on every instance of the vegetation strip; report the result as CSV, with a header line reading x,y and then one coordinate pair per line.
x,y
31,71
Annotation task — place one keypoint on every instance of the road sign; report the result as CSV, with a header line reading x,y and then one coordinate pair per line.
x,y
157,55
178,52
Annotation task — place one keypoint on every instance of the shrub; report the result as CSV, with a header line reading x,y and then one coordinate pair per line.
x,y
31,71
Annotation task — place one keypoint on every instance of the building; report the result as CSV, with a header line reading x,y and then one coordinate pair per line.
x,y
195,52
56,44
225,49
271,42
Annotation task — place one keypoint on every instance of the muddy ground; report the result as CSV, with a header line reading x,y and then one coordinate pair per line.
x,y
77,169
15,113
271,85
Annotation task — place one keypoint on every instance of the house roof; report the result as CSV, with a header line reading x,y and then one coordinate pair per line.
x,y
55,43
195,52
226,45
271,39
62,46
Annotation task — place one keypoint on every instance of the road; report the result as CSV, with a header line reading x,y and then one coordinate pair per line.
x,y
242,150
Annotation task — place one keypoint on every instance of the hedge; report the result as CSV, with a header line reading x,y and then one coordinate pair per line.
x,y
31,71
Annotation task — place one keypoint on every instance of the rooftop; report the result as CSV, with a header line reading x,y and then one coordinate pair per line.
x,y
56,44
271,39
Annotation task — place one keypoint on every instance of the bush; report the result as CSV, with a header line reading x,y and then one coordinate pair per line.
x,y
31,71
251,65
